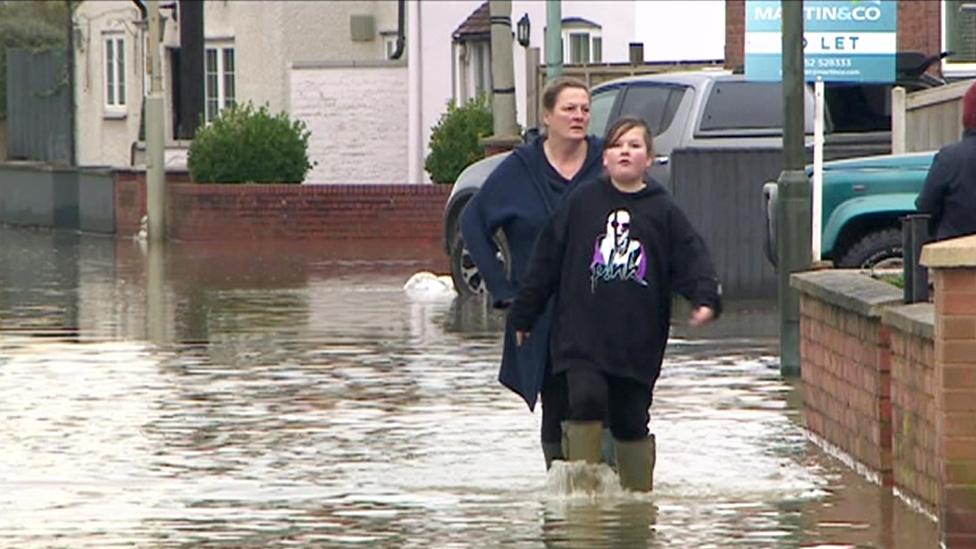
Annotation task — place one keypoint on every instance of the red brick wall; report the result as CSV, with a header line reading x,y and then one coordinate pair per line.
x,y
130,198
735,33
217,212
845,366
955,402
919,28
916,469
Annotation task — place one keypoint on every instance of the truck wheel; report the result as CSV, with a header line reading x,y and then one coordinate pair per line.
x,y
881,248
464,273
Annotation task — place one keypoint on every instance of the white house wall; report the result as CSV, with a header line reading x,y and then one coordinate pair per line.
x,y
357,116
104,139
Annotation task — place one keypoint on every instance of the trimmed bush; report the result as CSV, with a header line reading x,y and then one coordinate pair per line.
x,y
244,145
454,139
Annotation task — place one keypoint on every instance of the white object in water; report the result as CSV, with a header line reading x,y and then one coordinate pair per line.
x,y
428,285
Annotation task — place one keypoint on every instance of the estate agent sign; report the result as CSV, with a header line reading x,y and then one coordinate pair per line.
x,y
843,40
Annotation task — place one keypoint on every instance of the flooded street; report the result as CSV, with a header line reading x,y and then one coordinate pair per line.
x,y
230,395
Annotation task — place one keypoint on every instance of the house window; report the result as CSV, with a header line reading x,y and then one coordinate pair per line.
x,y
579,47
219,71
960,30
583,42
115,71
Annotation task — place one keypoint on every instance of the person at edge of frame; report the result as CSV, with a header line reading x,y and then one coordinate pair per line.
x,y
949,192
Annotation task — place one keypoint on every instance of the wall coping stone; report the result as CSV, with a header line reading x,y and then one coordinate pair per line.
x,y
955,252
848,289
35,166
917,319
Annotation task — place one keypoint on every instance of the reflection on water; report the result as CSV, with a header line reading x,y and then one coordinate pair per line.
x,y
282,395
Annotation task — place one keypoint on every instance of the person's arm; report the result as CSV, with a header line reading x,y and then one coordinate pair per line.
x,y
930,200
483,215
692,271
543,274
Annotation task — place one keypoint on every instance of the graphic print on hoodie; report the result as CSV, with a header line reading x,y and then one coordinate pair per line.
x,y
617,256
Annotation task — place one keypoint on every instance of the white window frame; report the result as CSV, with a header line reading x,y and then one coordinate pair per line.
x,y
221,95
952,69
591,34
115,85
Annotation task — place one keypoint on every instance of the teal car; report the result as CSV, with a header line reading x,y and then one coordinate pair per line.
x,y
864,200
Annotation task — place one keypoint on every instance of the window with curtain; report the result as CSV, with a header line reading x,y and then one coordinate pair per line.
x,y
579,47
219,73
115,71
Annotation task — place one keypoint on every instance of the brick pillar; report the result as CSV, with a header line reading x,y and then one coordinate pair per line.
x,y
954,263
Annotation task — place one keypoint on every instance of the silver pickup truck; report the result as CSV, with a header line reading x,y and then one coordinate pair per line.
x,y
708,108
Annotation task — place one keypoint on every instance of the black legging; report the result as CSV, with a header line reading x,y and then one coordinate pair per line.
x,y
595,396
555,406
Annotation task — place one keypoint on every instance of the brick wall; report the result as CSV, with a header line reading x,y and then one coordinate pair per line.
x,y
915,463
735,33
214,212
919,29
845,366
931,354
955,403
130,198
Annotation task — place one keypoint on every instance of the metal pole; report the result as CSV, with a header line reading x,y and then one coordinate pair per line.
x,y
914,234
818,160
415,91
554,39
793,216
155,167
531,87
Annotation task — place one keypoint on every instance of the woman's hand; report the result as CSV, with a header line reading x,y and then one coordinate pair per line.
x,y
701,316
520,337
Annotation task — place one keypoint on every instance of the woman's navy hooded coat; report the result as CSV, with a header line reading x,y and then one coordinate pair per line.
x,y
518,198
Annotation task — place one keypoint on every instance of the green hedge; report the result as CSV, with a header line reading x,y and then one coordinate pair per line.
x,y
246,145
454,140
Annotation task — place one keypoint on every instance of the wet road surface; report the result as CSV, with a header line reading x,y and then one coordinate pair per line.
x,y
277,395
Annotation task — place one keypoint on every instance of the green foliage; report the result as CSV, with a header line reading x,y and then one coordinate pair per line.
x,y
247,145
29,25
454,140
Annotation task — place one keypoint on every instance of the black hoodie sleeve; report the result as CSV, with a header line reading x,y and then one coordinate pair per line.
x,y
930,199
543,274
692,271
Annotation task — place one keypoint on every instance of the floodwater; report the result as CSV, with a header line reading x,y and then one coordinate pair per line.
x,y
243,395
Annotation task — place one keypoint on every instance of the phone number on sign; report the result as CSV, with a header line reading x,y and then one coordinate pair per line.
x,y
828,63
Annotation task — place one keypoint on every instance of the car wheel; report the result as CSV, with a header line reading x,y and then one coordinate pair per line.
x,y
879,249
464,273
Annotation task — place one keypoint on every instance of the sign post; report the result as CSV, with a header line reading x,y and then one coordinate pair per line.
x,y
839,41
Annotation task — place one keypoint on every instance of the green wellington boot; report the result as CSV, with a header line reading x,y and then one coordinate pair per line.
x,y
552,451
583,441
635,464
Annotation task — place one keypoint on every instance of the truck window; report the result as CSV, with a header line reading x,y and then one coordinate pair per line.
x,y
600,106
744,105
656,105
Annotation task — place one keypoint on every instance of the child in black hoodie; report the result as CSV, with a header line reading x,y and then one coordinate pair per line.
x,y
613,254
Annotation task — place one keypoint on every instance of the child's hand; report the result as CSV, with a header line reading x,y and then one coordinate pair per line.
x,y
520,337
701,316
